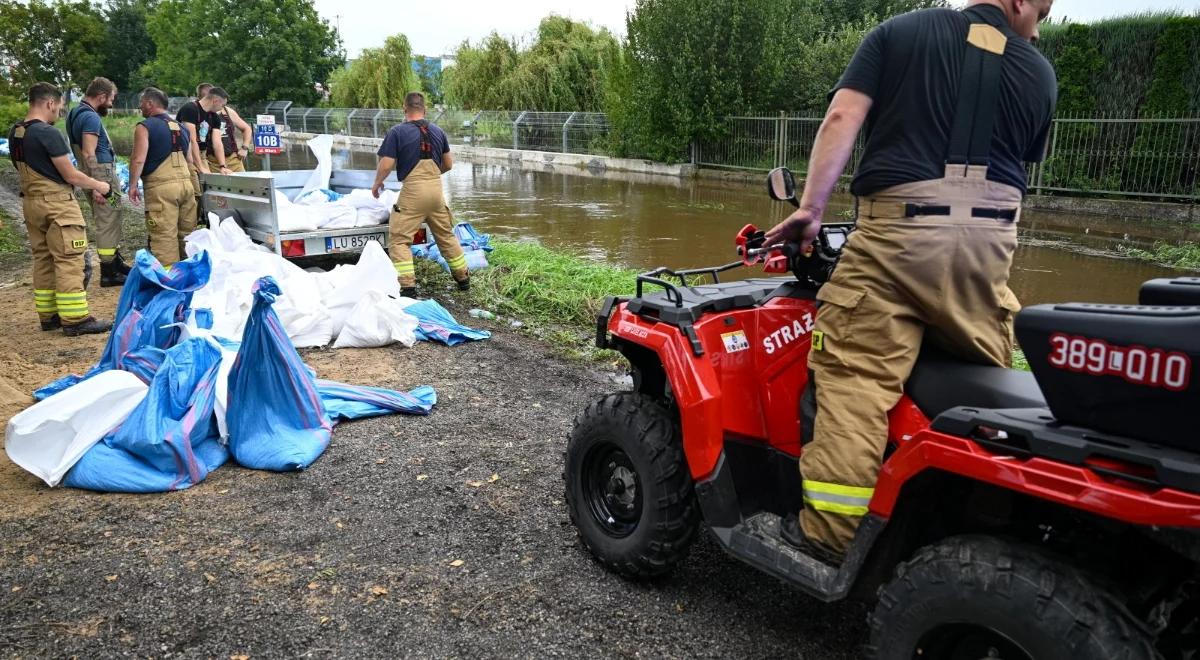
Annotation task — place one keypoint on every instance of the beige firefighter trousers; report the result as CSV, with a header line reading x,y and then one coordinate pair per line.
x,y
900,280
421,200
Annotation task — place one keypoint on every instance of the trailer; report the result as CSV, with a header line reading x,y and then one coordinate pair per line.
x,y
250,200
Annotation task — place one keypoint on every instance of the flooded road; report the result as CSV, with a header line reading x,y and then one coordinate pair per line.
x,y
644,221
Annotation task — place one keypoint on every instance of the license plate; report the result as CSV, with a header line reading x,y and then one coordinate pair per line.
x,y
353,243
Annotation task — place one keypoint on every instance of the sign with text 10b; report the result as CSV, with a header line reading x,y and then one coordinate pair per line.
x,y
266,140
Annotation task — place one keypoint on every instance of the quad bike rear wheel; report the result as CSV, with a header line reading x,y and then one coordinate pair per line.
x,y
981,597
627,486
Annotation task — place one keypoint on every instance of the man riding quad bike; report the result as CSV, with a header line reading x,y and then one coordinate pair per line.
x,y
996,514
1046,515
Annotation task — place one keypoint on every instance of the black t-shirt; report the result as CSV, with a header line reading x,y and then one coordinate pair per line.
x,y
910,67
205,122
42,142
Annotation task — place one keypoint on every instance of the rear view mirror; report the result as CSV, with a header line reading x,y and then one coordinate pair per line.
x,y
781,185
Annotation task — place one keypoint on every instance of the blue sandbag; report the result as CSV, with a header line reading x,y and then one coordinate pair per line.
x,y
170,441
275,417
471,239
436,324
346,402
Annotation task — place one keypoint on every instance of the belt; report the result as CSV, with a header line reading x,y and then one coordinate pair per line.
x,y
911,210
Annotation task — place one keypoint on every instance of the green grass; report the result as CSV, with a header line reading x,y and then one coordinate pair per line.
x,y
1019,361
1180,255
120,127
11,241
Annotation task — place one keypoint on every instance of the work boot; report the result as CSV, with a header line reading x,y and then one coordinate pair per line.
x,y
119,263
90,326
109,275
54,323
464,284
789,529
408,291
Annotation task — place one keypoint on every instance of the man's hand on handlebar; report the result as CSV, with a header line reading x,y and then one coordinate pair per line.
x,y
801,227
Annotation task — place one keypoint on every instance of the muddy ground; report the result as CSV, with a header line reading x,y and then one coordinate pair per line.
x,y
444,535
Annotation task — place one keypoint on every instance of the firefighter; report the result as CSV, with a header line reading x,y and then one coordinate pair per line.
x,y
96,157
939,192
203,124
420,154
235,155
159,160
57,232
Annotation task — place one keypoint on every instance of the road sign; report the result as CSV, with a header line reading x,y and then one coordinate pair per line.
x,y
266,140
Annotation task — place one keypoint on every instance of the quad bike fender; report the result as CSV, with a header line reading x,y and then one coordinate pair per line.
x,y
695,388
1073,486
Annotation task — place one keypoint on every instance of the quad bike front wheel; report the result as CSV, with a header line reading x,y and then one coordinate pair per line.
x,y
627,486
975,597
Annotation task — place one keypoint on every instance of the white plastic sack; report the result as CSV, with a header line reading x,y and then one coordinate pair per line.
x,y
48,438
322,148
377,320
373,272
369,217
335,216
294,217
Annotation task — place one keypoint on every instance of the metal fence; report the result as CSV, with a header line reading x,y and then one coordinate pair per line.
x,y
564,132
1149,158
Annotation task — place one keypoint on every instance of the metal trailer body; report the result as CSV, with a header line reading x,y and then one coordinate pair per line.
x,y
253,197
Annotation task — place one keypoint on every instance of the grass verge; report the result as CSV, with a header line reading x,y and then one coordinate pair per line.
x,y
120,127
1181,255
557,295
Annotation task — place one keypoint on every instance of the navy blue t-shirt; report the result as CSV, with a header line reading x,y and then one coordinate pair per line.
x,y
160,147
84,119
910,66
403,142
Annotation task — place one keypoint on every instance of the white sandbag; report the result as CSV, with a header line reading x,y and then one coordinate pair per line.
x,y
377,320
294,218
335,216
369,217
373,272
48,438
322,148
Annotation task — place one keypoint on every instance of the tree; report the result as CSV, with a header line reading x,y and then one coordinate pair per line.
x,y
257,51
379,78
564,69
689,64
129,45
60,42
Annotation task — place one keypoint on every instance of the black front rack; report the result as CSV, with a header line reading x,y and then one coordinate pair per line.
x,y
655,277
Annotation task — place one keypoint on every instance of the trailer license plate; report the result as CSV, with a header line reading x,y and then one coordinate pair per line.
x,y
353,243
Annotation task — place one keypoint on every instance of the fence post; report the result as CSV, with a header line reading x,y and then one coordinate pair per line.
x,y
325,119
565,126
474,124
1053,148
304,120
350,123
375,123
781,140
517,129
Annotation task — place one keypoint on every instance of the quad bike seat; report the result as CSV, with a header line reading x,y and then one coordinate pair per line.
x,y
1171,291
684,305
1123,370
940,381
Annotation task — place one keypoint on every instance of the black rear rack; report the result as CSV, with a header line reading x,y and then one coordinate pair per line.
x,y
673,295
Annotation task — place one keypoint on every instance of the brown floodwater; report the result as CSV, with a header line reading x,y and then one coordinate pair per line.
x,y
644,221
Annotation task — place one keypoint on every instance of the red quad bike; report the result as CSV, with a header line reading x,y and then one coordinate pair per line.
x,y
1053,514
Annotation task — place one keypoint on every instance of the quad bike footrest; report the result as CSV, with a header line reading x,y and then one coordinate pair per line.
x,y
757,541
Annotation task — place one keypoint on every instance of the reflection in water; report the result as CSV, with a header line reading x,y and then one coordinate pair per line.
x,y
643,221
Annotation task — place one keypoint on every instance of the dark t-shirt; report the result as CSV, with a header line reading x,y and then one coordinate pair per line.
x,y
910,67
403,142
205,122
84,119
42,142
159,147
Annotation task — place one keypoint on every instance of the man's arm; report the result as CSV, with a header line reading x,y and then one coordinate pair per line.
x,y
447,162
214,134
78,179
137,160
831,151
90,141
386,164
241,125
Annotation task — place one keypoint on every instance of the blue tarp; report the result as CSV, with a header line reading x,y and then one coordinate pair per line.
x,y
279,416
170,441
436,324
275,416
